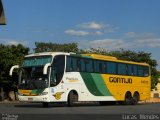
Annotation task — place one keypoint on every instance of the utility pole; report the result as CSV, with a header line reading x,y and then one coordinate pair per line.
x,y
2,22
2,16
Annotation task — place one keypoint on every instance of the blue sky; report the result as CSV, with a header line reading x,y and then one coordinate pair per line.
x,y
109,24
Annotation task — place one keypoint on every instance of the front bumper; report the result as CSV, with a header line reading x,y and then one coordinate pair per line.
x,y
42,98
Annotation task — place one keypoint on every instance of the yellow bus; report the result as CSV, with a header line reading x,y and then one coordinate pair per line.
x,y
71,78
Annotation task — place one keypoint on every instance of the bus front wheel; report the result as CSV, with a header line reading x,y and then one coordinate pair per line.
x,y
72,98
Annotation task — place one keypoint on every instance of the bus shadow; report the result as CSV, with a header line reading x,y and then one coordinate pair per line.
x,y
51,105
55,105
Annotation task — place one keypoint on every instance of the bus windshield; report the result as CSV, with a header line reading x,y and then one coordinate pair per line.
x,y
33,78
31,73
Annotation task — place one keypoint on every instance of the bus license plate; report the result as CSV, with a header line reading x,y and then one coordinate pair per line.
x,y
30,99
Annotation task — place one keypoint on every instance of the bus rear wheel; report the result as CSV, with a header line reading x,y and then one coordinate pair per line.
x,y
128,99
72,98
135,98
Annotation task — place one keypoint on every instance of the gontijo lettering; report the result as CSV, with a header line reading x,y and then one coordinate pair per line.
x,y
120,80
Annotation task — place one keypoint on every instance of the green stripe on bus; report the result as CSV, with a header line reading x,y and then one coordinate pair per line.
x,y
91,85
100,84
95,84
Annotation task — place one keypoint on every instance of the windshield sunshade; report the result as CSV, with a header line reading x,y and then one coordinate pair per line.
x,y
36,61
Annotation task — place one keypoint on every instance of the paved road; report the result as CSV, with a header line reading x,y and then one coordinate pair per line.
x,y
29,111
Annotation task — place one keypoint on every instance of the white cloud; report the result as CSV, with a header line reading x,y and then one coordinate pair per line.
x,y
150,42
139,35
142,39
108,28
12,42
130,34
98,33
108,44
91,28
131,40
76,32
92,25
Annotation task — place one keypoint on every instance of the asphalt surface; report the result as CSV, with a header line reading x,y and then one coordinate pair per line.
x,y
33,111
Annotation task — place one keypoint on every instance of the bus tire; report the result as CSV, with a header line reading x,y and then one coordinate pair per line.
x,y
135,98
72,98
128,99
45,104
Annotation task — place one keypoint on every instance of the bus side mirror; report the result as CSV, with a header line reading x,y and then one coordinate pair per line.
x,y
45,68
12,68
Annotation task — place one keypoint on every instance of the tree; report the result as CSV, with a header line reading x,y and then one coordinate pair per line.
x,y
54,47
10,55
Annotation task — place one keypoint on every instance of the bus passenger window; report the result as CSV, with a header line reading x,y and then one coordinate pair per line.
x,y
78,65
111,68
146,71
105,67
74,64
69,64
100,67
121,69
96,66
135,70
130,69
140,71
82,65
89,66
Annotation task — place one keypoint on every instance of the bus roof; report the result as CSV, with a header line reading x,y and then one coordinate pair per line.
x,y
47,53
94,56
114,59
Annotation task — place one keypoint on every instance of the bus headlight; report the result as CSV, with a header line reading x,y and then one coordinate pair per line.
x,y
43,93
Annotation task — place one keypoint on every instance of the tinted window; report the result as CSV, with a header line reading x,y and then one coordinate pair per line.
x,y
135,70
121,69
111,68
72,64
102,67
89,65
57,69
77,64
96,66
146,71
140,71
105,67
130,69
83,65
68,65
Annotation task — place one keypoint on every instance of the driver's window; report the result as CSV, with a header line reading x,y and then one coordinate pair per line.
x,y
57,70
53,76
